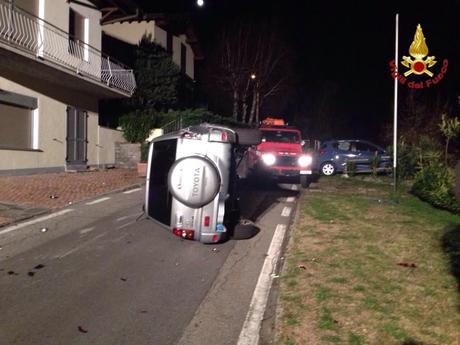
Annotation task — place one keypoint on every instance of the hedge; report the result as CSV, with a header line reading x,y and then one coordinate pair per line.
x,y
434,183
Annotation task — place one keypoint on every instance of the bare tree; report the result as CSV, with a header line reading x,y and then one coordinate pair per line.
x,y
251,62
268,57
234,63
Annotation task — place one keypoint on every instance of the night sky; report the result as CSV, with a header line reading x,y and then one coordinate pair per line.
x,y
340,55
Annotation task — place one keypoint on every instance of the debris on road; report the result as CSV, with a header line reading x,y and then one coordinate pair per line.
x,y
82,330
44,229
407,264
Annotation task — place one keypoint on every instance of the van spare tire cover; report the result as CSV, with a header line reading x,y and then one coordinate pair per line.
x,y
194,181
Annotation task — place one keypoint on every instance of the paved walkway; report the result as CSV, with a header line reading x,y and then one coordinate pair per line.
x,y
22,197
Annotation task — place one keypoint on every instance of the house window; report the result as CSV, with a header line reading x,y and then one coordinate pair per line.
x,y
169,42
78,35
31,6
18,121
183,57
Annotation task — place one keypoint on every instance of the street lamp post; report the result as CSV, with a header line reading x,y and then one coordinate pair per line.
x,y
395,109
256,94
257,102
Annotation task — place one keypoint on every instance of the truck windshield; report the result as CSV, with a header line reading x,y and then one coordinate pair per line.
x,y
280,136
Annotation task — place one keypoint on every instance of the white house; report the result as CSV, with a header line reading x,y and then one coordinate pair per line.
x,y
180,41
52,76
125,22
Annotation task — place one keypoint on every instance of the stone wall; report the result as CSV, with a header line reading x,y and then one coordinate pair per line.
x,y
106,146
127,155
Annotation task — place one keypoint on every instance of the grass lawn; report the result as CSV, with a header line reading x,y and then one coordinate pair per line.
x,y
363,267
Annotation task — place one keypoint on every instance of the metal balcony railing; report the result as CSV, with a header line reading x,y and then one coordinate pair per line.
x,y
29,33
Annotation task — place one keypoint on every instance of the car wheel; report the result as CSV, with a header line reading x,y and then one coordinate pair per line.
x,y
304,181
328,169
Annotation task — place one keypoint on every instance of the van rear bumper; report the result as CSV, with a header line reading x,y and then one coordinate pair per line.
x,y
212,237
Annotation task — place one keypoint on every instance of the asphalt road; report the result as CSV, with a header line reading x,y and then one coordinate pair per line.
x,y
96,274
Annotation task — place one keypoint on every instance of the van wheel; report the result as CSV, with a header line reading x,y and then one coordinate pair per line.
x,y
244,230
304,181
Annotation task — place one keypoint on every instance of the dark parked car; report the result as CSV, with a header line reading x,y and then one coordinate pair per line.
x,y
333,155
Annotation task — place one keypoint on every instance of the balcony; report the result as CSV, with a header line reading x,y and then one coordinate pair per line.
x,y
33,51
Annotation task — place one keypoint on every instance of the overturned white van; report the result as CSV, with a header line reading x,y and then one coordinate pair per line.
x,y
191,186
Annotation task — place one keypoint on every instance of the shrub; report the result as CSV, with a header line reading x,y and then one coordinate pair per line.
x,y
434,182
407,160
450,128
158,77
196,116
350,167
374,164
144,152
137,125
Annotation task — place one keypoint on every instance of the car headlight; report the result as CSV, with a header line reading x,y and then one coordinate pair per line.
x,y
305,161
268,159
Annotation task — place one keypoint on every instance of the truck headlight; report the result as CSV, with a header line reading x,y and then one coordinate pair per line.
x,y
268,159
305,161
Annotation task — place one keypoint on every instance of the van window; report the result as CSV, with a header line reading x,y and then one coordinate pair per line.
x,y
160,200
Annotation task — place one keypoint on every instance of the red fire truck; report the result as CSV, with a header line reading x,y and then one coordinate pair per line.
x,y
280,154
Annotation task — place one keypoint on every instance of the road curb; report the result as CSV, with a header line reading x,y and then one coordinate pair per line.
x,y
270,328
